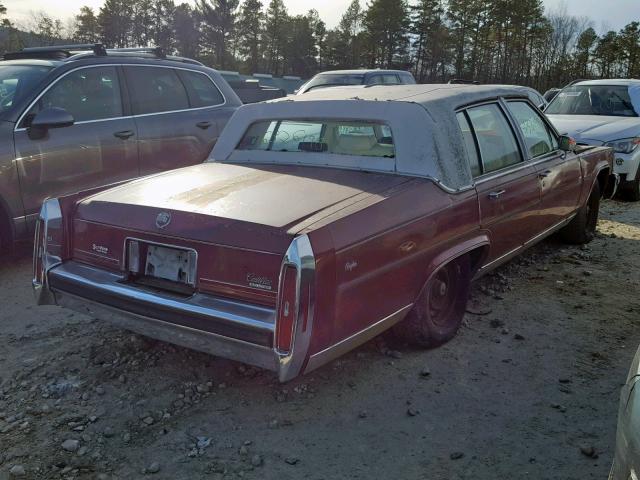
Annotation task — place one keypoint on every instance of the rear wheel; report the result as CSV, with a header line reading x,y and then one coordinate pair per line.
x,y
582,228
5,233
439,309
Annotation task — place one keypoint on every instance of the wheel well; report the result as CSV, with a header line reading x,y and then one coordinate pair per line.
x,y
603,180
477,256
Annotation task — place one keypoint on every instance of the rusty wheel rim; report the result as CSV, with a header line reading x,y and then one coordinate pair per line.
x,y
442,295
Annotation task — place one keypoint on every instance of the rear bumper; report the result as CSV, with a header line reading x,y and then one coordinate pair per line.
x,y
217,326
236,330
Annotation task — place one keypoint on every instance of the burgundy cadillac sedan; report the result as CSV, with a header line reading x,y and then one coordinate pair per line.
x,y
320,221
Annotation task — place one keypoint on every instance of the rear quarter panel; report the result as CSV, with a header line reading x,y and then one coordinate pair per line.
x,y
592,162
384,253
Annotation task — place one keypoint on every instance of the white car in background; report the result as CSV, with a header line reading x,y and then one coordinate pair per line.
x,y
604,112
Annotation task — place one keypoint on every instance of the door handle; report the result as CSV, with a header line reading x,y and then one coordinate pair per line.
x,y
544,174
203,125
124,134
498,194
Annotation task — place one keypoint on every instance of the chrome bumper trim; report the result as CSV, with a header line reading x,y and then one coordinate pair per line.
x,y
206,342
200,312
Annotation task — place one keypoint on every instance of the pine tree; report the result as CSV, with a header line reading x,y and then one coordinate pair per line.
x,y
218,17
186,32
115,20
86,26
275,37
386,24
250,28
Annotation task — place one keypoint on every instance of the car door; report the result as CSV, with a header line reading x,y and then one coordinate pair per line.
x,y
559,172
174,116
98,149
508,187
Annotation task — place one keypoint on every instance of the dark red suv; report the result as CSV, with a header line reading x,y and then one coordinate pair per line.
x,y
77,117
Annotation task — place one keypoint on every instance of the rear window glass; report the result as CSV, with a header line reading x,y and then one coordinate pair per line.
x,y
202,91
337,137
156,90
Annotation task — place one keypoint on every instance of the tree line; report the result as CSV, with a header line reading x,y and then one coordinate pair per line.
x,y
491,41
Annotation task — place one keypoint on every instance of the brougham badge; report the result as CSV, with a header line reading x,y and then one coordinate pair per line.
x,y
163,219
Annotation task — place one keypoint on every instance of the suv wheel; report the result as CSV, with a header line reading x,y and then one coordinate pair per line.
x,y
631,190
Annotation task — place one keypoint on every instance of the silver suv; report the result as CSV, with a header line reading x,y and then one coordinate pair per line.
x,y
78,117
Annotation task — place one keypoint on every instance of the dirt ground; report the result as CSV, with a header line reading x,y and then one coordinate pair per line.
x,y
528,389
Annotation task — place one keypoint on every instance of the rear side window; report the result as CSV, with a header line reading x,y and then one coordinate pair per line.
x,y
201,89
156,90
470,144
497,143
537,135
87,94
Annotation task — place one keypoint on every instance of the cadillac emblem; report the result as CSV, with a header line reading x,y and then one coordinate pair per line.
x,y
163,220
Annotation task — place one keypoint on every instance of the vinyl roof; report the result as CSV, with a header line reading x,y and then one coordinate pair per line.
x,y
452,96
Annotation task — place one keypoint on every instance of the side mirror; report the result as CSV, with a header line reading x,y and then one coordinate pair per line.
x,y
50,118
567,144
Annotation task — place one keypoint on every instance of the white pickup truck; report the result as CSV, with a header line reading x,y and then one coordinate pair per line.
x,y
604,112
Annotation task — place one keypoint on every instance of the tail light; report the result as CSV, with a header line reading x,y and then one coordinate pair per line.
x,y
295,310
287,308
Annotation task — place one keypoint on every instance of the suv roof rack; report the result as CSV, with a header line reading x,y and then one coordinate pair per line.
x,y
84,50
56,52
156,51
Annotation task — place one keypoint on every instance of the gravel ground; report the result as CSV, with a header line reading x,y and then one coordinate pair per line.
x,y
528,389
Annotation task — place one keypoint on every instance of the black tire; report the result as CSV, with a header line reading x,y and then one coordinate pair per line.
x,y
631,190
440,306
582,229
5,233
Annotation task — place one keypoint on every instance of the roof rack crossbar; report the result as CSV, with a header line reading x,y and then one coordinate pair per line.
x,y
97,48
157,51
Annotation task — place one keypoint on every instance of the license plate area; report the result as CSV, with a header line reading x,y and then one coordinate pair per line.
x,y
161,266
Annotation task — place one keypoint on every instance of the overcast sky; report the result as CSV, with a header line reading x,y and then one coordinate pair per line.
x,y
610,14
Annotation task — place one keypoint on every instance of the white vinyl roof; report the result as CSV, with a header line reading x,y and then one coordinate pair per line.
x,y
427,139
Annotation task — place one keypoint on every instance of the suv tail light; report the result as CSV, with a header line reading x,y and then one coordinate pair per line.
x,y
287,308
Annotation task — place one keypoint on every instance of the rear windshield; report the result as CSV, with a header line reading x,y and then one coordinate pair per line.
x,y
17,81
334,80
610,100
339,137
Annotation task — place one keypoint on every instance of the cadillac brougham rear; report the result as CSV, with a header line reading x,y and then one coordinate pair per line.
x,y
320,222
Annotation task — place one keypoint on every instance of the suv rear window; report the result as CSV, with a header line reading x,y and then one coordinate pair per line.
x,y
156,90
202,91
338,137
